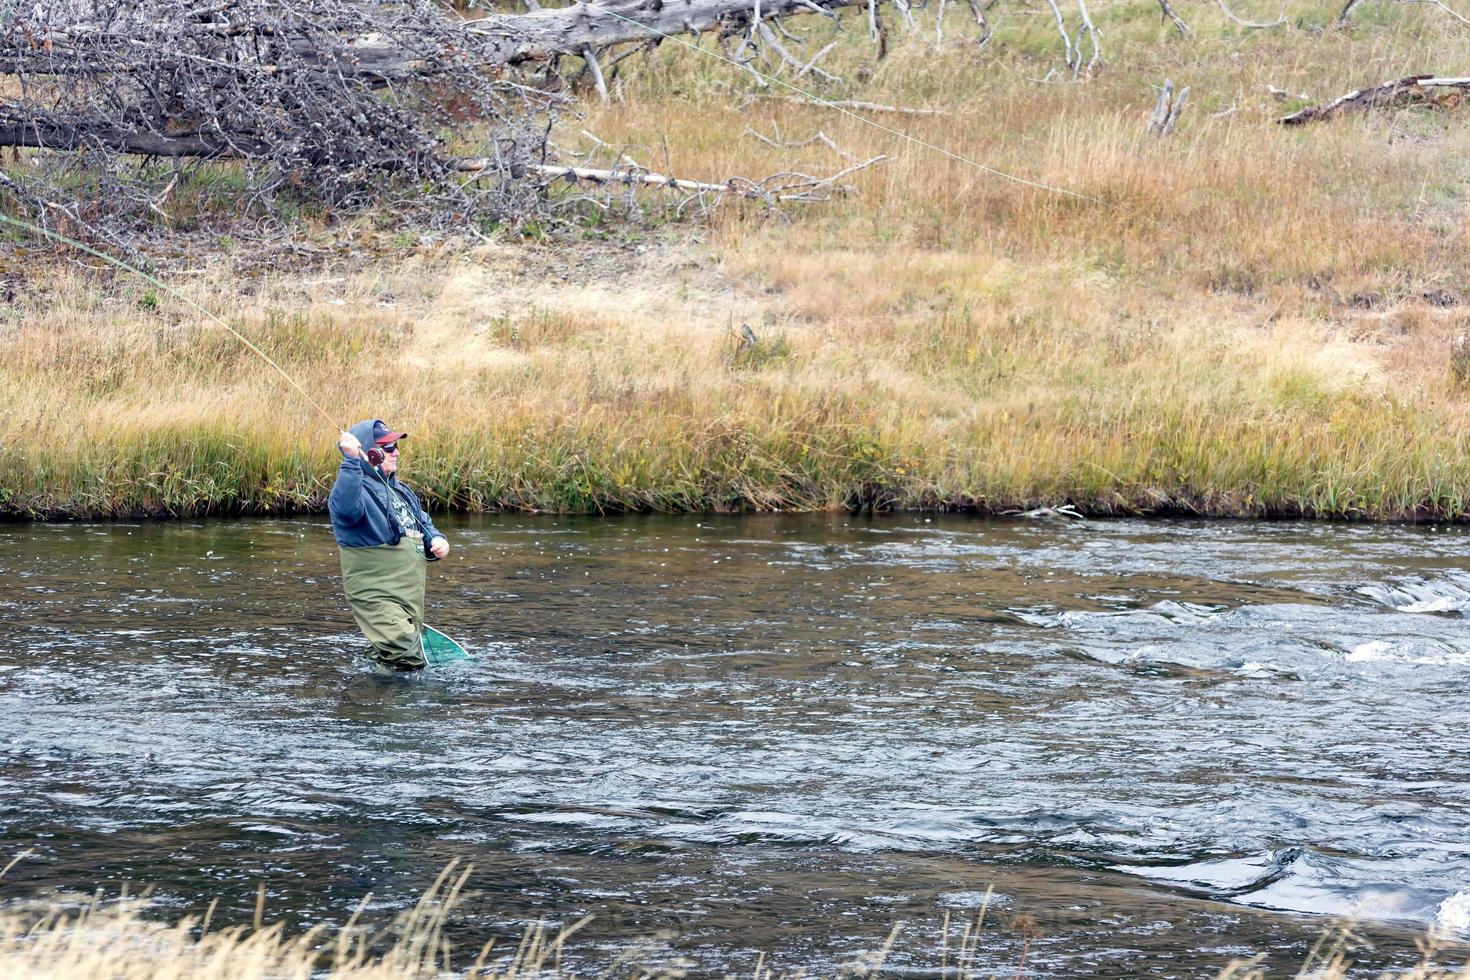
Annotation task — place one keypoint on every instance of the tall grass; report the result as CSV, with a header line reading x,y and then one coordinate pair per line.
x,y
120,940
1240,319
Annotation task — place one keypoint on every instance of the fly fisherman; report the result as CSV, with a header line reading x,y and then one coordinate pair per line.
x,y
381,530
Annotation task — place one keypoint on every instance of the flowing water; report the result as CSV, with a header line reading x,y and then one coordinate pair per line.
x,y
1169,743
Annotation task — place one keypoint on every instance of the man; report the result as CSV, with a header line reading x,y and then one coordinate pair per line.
x,y
381,528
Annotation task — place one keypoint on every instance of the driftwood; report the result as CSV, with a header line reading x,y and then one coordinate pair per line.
x,y
1416,89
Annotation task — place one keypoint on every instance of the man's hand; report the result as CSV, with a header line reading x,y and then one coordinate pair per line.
x,y
349,445
439,547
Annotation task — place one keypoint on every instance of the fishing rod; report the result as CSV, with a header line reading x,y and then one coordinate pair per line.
x,y
155,281
373,454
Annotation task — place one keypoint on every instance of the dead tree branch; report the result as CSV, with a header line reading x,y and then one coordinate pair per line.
x,y
271,85
1094,38
812,64
1168,11
1414,90
819,137
775,189
1167,109
1254,25
769,37
1071,62
859,106
1443,6
978,9
590,57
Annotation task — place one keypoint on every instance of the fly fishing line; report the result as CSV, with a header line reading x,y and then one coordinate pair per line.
x,y
844,110
155,281
368,452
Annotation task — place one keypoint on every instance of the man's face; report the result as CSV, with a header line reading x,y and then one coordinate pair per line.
x,y
390,459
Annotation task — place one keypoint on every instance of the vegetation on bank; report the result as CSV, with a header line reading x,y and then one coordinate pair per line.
x,y
1239,319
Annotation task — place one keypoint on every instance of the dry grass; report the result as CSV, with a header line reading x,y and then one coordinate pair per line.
x,y
1333,958
1240,319
118,940
123,940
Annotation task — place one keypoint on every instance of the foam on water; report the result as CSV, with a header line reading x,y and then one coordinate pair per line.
x,y
1422,595
1453,914
1422,652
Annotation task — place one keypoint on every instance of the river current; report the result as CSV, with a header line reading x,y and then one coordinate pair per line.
x,y
1168,743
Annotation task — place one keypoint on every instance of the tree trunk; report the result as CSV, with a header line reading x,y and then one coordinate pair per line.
x,y
500,40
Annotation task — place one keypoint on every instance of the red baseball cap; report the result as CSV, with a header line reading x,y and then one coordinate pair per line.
x,y
382,434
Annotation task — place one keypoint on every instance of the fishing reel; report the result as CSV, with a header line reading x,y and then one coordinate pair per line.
x,y
374,455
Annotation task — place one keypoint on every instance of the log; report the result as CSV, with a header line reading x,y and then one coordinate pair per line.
x,y
1400,92
862,106
513,39
499,40
124,140
776,188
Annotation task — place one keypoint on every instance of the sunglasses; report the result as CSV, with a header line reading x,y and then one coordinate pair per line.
x,y
391,447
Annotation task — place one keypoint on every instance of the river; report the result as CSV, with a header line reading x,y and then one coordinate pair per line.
x,y
1169,743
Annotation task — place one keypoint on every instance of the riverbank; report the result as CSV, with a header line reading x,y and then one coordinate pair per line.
x,y
1238,320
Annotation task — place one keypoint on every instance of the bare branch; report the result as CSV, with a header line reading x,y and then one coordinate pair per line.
x,y
1442,6
1347,9
775,45
979,9
862,106
811,65
819,137
1168,11
774,189
1066,38
1094,37
590,57
1254,25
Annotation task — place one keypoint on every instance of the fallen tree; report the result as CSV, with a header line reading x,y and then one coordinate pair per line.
x,y
72,37
1414,90
268,84
343,101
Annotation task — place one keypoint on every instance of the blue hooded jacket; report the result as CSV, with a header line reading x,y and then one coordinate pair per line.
x,y
359,504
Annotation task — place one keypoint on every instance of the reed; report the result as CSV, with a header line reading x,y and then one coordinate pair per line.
x,y
1238,320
